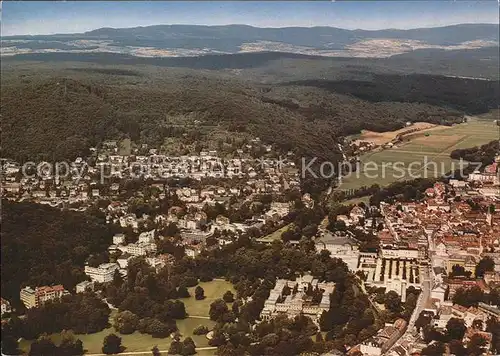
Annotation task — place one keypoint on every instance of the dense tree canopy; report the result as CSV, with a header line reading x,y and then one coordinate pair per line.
x,y
485,265
82,313
46,246
112,344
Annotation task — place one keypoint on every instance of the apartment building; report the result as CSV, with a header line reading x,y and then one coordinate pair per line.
x,y
32,298
103,273
84,286
140,248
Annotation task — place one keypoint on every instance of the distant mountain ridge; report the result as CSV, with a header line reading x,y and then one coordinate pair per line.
x,y
182,40
320,35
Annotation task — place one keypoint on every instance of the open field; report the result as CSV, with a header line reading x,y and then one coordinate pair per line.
x,y
144,342
380,138
213,290
125,147
492,115
276,235
356,201
426,154
92,343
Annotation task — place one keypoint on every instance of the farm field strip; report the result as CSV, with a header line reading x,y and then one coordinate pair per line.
x,y
433,149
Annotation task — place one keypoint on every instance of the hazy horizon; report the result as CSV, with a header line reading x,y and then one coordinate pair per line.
x,y
46,18
242,24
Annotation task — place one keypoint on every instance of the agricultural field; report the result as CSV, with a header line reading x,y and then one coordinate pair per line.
x,y
425,155
380,138
492,115
137,342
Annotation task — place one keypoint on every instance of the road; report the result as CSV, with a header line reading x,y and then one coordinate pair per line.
x,y
422,301
198,317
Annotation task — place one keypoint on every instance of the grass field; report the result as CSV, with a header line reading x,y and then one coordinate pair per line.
x,y
213,290
143,342
276,235
492,115
426,155
356,201
380,138
125,147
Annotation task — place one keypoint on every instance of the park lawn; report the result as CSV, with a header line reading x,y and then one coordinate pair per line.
x,y
436,147
92,343
215,289
125,147
276,235
356,201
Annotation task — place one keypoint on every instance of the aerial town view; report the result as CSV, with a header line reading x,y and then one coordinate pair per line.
x,y
247,178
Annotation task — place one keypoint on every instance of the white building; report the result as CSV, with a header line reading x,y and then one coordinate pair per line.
x,y
477,176
147,237
156,263
343,247
118,239
439,292
102,274
84,286
129,220
297,300
193,250
123,260
400,253
5,306
140,248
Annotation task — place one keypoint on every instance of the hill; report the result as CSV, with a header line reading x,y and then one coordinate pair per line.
x,y
175,40
281,66
471,96
45,246
60,113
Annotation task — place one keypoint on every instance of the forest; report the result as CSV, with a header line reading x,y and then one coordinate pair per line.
x,y
46,246
253,269
468,95
60,113
81,313
149,302
484,154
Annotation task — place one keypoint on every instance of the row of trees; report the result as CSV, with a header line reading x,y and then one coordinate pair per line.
x,y
484,154
398,191
469,297
44,346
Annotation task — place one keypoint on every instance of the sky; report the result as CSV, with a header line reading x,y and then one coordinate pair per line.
x,y
44,17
